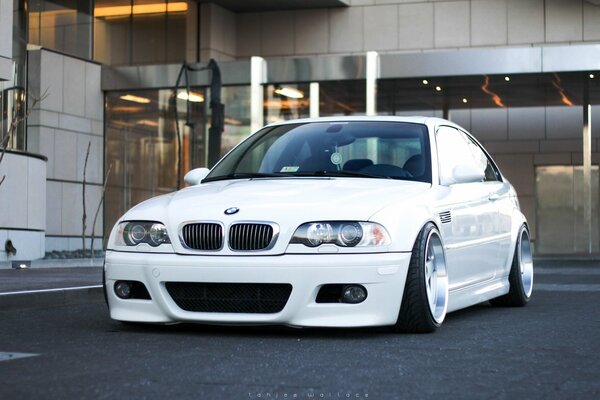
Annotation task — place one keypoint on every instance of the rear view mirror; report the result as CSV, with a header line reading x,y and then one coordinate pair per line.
x,y
466,173
195,176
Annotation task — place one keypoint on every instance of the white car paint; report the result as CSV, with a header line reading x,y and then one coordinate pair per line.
x,y
479,243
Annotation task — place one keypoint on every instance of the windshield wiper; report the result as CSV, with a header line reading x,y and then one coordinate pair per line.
x,y
244,175
341,173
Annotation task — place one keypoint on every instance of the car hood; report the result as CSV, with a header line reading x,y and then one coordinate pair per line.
x,y
280,199
289,202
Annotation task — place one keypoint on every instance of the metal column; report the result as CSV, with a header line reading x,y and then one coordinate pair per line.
x,y
587,164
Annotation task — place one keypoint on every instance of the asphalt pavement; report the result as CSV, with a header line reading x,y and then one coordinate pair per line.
x,y
546,350
48,287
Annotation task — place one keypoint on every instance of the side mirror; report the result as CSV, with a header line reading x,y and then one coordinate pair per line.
x,y
195,176
467,173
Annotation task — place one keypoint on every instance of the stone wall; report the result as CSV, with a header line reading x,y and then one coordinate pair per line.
x,y
400,25
6,17
22,205
67,119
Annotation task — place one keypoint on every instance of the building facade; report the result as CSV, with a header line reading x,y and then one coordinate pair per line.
x,y
523,76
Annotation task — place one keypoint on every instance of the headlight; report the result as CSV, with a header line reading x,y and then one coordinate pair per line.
x,y
341,233
133,233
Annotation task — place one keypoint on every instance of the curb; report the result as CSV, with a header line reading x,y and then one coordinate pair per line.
x,y
60,263
50,297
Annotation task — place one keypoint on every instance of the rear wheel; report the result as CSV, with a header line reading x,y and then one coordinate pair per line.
x,y
521,274
425,297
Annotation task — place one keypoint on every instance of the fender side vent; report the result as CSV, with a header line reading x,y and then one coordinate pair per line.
x,y
446,217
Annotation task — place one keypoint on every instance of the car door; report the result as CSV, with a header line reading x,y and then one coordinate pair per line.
x,y
468,214
499,195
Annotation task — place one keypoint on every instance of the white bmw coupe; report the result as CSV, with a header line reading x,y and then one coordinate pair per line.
x,y
330,222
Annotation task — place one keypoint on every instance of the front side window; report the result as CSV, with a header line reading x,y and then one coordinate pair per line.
x,y
355,149
456,148
483,161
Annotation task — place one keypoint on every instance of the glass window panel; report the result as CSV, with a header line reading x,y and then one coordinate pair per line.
x,y
176,36
286,101
62,25
142,146
140,31
148,35
12,110
237,116
112,37
342,98
559,197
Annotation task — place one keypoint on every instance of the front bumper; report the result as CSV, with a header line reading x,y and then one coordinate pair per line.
x,y
382,274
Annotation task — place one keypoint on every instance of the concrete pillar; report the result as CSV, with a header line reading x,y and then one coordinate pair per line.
x,y
258,76
372,74
314,99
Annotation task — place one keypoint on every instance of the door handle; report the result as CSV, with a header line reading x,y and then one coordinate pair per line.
x,y
494,196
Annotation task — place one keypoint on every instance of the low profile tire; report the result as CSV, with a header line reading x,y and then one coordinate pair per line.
x,y
520,278
425,297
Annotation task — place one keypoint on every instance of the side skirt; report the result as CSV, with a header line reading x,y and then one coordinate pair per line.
x,y
478,293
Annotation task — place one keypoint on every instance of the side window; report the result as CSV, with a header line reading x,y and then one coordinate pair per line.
x,y
456,147
482,160
453,150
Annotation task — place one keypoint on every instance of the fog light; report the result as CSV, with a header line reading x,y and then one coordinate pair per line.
x,y
354,294
123,289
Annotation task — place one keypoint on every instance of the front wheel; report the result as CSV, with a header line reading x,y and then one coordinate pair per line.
x,y
521,274
425,297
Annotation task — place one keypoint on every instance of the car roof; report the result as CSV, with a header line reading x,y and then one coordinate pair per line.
x,y
344,118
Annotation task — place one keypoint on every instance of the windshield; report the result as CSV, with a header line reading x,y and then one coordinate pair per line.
x,y
393,150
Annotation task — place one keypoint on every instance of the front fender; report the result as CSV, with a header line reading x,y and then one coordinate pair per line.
x,y
403,224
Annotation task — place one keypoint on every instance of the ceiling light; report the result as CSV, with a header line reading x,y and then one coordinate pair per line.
x,y
148,122
232,121
290,92
507,78
193,97
438,88
425,82
138,9
135,99
464,100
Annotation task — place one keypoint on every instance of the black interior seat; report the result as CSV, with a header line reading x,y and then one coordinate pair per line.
x,y
415,165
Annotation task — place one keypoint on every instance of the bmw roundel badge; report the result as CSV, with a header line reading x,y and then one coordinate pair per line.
x,y
231,210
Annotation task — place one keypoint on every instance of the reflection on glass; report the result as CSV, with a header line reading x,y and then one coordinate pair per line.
x,y
560,223
286,101
237,116
12,102
140,31
342,98
142,146
62,25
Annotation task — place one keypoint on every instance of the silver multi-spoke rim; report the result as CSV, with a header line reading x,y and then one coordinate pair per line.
x,y
436,278
526,262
